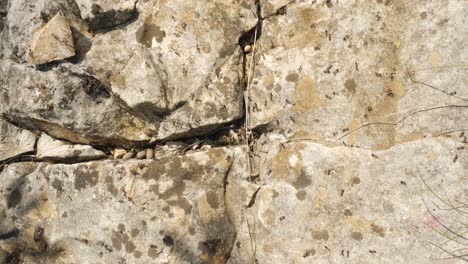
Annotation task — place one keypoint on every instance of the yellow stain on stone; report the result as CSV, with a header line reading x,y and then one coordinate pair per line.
x,y
283,168
206,212
306,98
357,223
435,58
353,126
269,81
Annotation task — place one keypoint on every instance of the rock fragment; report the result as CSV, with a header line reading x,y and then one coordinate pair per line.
x,y
141,154
150,153
14,141
119,153
52,42
129,155
50,149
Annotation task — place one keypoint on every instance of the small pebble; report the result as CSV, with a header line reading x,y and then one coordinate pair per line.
x,y
119,153
141,154
247,49
128,156
149,154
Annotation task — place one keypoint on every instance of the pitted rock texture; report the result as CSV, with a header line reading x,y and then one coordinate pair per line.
x,y
337,67
350,205
233,131
171,210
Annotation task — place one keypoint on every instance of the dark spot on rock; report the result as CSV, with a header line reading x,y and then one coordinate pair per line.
x,y
357,236
134,232
130,247
38,234
11,234
350,86
378,229
153,252
58,185
137,254
275,194
355,180
423,15
121,228
301,195
64,215
292,77
212,199
147,32
191,230
117,241
212,251
110,186
14,198
85,177
309,252
168,241
302,181
320,234
329,4
347,212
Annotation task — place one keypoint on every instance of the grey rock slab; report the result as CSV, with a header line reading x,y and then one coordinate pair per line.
x,y
66,103
50,149
327,70
322,204
140,211
15,141
52,42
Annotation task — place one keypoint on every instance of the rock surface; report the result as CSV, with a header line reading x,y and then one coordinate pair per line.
x,y
312,131
52,42
14,141
82,212
50,149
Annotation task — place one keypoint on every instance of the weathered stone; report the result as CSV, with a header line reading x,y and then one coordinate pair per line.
x,y
52,42
24,18
337,68
119,153
333,205
60,151
14,141
167,211
150,153
67,103
105,14
172,70
129,155
141,154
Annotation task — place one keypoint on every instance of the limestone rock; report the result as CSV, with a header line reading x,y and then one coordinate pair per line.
x,y
342,66
14,141
23,18
52,42
167,211
105,14
119,153
334,205
67,103
59,151
171,70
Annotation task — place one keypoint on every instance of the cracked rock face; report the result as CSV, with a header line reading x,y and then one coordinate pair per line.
x,y
233,131
167,211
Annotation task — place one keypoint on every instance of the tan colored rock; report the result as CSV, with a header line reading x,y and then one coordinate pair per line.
x,y
52,42
129,155
150,153
119,153
141,154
